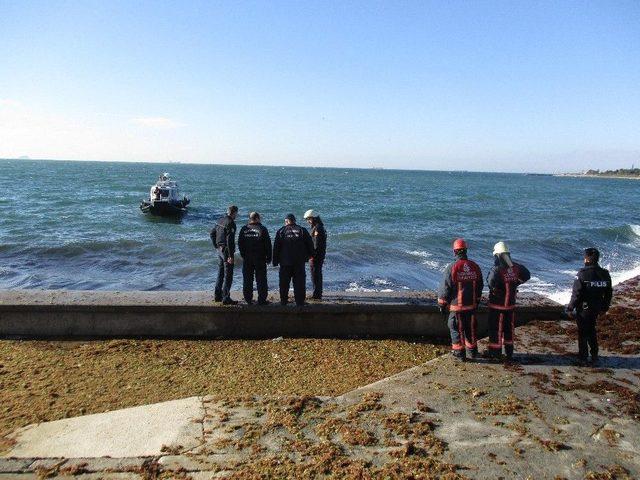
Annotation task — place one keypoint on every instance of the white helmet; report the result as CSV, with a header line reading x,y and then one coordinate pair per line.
x,y
500,248
310,214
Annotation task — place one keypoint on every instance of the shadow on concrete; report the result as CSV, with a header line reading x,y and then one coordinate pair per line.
x,y
606,361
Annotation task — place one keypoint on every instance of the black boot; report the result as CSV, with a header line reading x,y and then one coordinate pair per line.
x,y
508,350
459,356
493,356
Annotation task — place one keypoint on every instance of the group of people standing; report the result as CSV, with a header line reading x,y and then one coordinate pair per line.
x,y
461,289
292,248
458,297
460,294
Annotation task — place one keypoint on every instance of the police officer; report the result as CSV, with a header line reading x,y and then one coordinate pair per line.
x,y
319,237
503,280
292,248
591,296
223,236
460,293
254,244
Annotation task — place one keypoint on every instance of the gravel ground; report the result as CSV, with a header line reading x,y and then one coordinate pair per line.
x,y
50,380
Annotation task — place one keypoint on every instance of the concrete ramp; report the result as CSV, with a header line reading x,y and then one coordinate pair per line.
x,y
131,432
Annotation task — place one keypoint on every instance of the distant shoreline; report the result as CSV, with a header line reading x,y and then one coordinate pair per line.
x,y
584,175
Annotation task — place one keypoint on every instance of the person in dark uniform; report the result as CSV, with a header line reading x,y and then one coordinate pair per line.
x,y
292,248
319,237
591,296
223,236
254,244
460,294
503,279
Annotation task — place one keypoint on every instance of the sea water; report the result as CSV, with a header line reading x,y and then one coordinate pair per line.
x,y
77,225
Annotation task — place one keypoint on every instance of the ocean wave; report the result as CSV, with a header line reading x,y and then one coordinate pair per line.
x,y
78,248
619,233
563,295
375,284
624,275
426,259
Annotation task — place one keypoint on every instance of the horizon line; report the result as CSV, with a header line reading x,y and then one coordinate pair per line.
x,y
285,166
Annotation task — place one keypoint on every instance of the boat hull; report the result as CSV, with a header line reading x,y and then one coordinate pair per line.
x,y
164,209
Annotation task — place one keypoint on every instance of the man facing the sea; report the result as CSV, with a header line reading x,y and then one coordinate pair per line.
x,y
503,279
292,248
254,244
460,293
319,237
223,236
591,296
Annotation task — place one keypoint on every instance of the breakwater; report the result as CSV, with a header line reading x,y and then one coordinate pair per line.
x,y
88,314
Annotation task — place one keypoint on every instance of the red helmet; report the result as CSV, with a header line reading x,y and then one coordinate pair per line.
x,y
459,244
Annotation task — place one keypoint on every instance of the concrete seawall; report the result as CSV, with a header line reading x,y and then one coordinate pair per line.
x,y
69,314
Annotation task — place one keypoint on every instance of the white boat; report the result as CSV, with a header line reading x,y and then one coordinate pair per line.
x,y
164,198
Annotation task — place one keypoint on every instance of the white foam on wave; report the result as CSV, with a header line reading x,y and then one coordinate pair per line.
x,y
619,277
568,272
420,253
378,282
635,229
356,287
425,256
563,296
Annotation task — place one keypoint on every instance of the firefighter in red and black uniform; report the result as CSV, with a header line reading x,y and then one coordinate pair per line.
x,y
460,293
503,280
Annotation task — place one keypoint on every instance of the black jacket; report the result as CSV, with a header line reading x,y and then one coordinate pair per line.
x,y
319,237
223,235
292,246
254,243
592,289
461,286
503,283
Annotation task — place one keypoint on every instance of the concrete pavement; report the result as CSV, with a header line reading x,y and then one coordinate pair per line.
x,y
147,430
543,417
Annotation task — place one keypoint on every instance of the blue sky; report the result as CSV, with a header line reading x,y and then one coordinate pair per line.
x,y
500,85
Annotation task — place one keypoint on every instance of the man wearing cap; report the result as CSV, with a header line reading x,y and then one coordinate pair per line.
x,y
460,293
591,296
254,244
503,279
319,237
223,236
292,248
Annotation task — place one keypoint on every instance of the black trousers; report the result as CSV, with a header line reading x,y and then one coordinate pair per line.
x,y
316,278
462,327
250,269
587,334
501,329
298,274
225,278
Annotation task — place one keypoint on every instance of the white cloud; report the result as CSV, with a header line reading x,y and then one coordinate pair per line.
x,y
9,103
30,130
157,122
